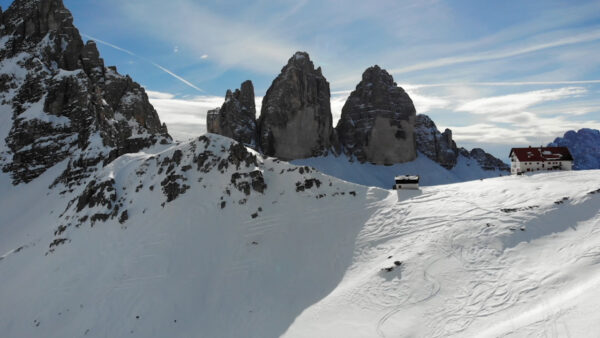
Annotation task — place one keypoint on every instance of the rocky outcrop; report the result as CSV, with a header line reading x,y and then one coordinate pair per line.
x,y
236,118
437,146
295,120
66,105
440,147
377,122
486,161
584,145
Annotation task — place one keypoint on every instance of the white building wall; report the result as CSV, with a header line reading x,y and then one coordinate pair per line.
x,y
524,167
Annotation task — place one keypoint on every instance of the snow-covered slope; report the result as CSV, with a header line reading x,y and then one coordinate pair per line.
x,y
206,239
507,257
430,172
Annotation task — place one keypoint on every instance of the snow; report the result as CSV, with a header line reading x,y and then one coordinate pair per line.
x,y
11,66
430,172
3,41
465,272
306,266
36,112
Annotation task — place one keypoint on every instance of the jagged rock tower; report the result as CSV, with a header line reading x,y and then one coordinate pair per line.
x,y
437,146
236,118
64,104
295,120
377,122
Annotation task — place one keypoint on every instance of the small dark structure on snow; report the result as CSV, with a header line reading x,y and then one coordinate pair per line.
x,y
406,182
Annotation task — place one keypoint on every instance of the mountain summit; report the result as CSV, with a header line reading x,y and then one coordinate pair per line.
x,y
378,119
295,120
584,144
63,103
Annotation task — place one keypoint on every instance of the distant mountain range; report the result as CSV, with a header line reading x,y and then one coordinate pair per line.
x,y
584,146
378,136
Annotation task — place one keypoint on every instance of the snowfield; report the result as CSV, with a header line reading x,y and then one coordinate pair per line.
x,y
500,257
432,173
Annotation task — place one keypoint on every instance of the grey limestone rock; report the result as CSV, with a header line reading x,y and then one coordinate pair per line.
x,y
377,122
295,120
485,160
236,118
437,146
67,105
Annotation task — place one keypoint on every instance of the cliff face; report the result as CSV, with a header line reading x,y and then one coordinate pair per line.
x,y
377,122
236,118
64,103
437,146
295,120
584,145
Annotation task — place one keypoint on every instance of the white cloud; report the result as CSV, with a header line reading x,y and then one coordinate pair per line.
x,y
338,99
204,56
186,117
159,95
498,54
515,103
424,103
502,84
532,130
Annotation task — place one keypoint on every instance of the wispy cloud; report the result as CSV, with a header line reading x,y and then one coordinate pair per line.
x,y
188,83
504,84
533,130
498,54
515,103
186,117
231,41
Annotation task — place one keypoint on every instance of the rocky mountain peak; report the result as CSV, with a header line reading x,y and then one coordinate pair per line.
x,y
296,120
584,145
379,76
377,122
437,146
31,22
236,118
65,104
300,60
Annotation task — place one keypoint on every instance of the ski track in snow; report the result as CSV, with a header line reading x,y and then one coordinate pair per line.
x,y
474,237
503,257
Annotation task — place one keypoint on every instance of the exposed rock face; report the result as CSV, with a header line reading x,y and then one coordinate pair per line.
x,y
437,146
584,145
442,149
237,117
377,122
65,104
295,120
486,161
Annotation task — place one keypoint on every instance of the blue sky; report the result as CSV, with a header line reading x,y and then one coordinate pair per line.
x,y
498,73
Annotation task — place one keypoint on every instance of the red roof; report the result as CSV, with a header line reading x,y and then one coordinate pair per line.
x,y
542,154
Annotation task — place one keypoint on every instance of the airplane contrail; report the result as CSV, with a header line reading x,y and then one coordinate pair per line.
x,y
188,83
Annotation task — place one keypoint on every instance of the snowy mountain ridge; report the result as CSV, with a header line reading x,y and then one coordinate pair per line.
x,y
221,235
110,229
58,101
